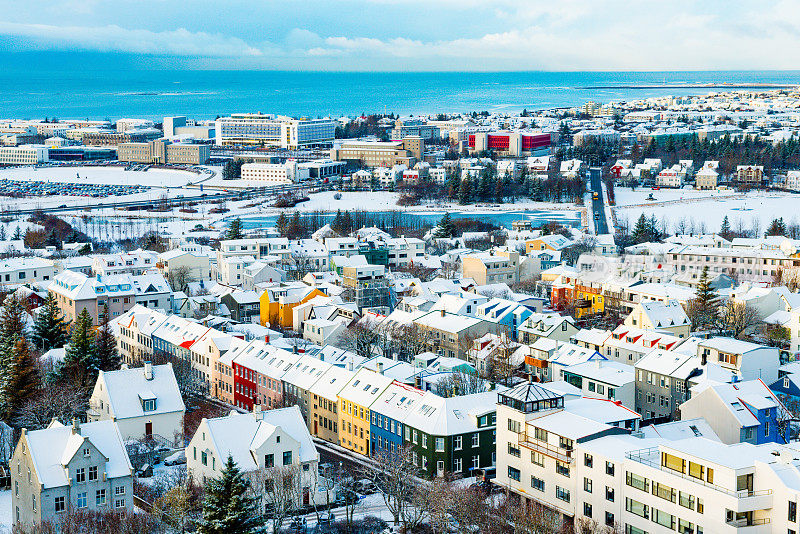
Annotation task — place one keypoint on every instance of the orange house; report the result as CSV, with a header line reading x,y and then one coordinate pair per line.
x,y
278,301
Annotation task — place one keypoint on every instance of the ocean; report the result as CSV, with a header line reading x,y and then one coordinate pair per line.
x,y
75,91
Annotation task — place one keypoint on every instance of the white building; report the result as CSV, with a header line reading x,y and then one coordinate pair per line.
x,y
266,130
145,402
275,173
24,155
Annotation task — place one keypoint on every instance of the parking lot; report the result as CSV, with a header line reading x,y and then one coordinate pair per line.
x,y
38,188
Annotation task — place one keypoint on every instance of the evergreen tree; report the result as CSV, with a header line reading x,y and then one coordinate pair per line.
x,y
347,222
485,186
465,191
228,507
446,228
23,380
725,230
641,231
777,227
105,346
282,224
50,330
13,320
705,306
235,229
17,234
80,362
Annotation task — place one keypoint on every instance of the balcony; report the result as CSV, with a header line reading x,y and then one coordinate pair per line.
x,y
559,453
744,523
746,500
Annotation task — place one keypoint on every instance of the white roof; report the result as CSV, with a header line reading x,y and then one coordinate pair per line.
x,y
440,416
52,447
365,387
608,372
331,382
127,387
675,430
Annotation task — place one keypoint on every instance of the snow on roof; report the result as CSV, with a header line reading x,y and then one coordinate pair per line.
x,y
676,430
602,410
729,344
365,387
665,314
238,434
127,388
569,425
435,415
609,372
397,401
50,448
331,382
305,372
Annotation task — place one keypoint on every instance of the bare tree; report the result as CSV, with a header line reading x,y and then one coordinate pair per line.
x,y
587,525
460,382
52,402
179,278
395,477
360,338
739,319
413,339
280,490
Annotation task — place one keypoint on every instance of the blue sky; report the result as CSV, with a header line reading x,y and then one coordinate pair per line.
x,y
414,34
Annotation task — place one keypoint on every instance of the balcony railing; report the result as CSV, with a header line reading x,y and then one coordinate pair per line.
x,y
744,522
652,457
559,453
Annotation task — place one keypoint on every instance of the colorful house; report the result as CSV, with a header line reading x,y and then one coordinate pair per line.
x,y
355,402
278,300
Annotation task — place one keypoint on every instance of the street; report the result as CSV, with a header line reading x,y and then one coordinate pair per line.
x,y
598,204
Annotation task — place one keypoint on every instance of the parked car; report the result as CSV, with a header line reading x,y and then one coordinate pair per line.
x,y
177,458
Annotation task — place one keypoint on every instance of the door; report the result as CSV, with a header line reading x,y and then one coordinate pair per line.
x,y
148,429
315,428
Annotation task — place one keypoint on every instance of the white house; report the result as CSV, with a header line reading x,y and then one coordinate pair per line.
x,y
144,402
266,445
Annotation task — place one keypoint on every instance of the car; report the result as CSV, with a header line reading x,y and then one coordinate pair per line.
x,y
176,458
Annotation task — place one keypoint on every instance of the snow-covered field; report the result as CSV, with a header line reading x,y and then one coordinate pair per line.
x,y
706,213
113,175
626,197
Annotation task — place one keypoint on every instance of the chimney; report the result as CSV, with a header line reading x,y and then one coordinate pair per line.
x,y
257,411
148,371
443,312
76,426
266,338
350,364
379,367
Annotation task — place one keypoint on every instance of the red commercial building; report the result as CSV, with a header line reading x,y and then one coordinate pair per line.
x,y
511,143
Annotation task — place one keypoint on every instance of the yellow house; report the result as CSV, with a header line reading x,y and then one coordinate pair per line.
x,y
278,301
588,299
355,400
547,242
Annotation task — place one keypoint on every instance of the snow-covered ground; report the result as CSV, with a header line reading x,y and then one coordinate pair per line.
x,y
706,213
114,175
625,197
5,512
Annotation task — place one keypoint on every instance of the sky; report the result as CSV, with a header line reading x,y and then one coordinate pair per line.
x,y
413,35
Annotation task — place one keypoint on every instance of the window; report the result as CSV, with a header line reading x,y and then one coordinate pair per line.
x,y
562,494
696,470
792,511
587,485
60,504
637,508
457,443
588,460
513,473
665,492
93,472
269,460
87,451
587,509
80,474
203,458
673,462
119,490
636,481
119,503
609,519
439,444
457,465
81,501
513,450
287,458
686,500
664,519
684,527
540,434
609,494
476,439
537,458
537,483
100,497
609,468
33,501
562,468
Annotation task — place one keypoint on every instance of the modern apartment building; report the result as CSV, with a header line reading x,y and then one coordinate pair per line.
x,y
255,129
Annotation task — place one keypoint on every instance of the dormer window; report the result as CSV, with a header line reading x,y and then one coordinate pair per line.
x,y
87,451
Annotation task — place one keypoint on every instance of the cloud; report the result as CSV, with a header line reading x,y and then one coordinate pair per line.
x,y
112,38
445,34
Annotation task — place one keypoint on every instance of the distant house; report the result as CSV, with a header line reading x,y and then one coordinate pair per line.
x,y
62,468
666,316
144,401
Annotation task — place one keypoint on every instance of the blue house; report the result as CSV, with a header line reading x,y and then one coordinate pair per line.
x,y
388,413
507,314
740,412
788,382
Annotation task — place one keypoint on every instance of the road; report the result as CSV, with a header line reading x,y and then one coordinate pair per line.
x,y
174,202
598,204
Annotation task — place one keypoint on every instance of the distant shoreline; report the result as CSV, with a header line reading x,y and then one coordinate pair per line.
x,y
720,85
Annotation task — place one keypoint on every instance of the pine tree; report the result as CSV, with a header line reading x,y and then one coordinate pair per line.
x,y
235,229
641,231
50,330
705,306
17,234
228,507
105,346
777,227
465,191
23,380
347,223
725,229
446,228
80,362
13,320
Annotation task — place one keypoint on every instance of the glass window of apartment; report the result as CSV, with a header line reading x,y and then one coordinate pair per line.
x,y
637,508
287,457
587,509
457,443
476,439
686,500
792,511
93,472
587,485
562,494
540,434
439,444
537,483
537,458
424,441
670,461
630,529
562,468
588,460
609,494
513,450
665,492
637,481
80,475
100,497
81,501
664,519
696,470
60,504
609,468
685,527
609,519
513,473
